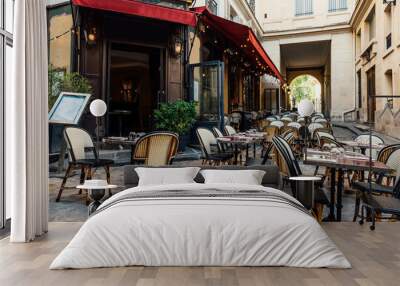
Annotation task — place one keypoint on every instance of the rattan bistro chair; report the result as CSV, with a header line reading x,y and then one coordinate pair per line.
x,y
212,153
293,169
294,124
78,143
364,138
381,200
277,123
314,127
229,130
156,148
326,140
270,132
217,132
390,155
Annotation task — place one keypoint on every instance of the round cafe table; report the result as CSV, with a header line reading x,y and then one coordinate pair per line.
x,y
337,166
236,142
96,191
305,190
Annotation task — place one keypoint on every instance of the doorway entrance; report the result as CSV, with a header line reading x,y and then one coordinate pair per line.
x,y
135,87
306,87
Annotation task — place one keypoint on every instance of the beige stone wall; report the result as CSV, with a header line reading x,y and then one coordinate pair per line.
x,y
342,77
282,27
338,82
60,48
279,16
386,61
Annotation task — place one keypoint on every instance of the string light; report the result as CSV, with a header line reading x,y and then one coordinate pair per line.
x,y
260,67
62,34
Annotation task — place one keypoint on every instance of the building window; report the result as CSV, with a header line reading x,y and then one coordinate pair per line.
x,y
388,27
212,5
389,41
234,16
388,86
304,7
252,5
371,25
6,43
359,91
337,5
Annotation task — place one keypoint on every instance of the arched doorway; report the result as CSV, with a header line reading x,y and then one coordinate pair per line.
x,y
305,86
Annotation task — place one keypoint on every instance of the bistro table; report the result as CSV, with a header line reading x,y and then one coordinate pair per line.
x,y
257,137
338,165
120,114
123,141
242,139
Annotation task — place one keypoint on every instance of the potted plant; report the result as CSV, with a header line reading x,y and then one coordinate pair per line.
x,y
59,81
178,117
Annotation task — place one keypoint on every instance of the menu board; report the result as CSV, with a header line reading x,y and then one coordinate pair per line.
x,y
68,108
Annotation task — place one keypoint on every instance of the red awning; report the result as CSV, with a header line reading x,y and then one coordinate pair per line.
x,y
242,36
141,9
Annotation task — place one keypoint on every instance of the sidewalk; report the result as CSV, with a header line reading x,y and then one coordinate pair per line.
x,y
350,130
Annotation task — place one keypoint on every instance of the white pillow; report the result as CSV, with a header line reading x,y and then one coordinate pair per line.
x,y
244,177
166,176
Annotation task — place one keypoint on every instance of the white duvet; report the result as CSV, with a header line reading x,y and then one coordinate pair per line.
x,y
200,232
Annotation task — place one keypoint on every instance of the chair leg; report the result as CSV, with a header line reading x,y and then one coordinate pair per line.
x,y
88,177
373,218
67,172
357,207
361,222
316,170
107,168
318,210
82,178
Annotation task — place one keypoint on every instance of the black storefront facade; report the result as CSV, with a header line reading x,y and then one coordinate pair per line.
x,y
133,59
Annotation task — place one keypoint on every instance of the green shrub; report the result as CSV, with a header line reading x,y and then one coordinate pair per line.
x,y
67,82
178,116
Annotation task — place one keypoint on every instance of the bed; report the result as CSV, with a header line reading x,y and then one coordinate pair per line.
x,y
198,224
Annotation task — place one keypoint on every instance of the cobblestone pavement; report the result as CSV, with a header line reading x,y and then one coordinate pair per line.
x,y
72,206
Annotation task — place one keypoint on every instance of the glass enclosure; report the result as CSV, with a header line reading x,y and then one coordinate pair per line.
x,y
207,92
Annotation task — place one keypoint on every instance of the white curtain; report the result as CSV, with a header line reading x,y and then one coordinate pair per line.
x,y
27,124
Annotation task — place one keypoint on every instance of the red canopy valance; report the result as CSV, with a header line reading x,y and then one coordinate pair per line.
x,y
242,36
141,9
239,34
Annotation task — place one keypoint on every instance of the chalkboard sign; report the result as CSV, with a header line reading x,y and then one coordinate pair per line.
x,y
68,108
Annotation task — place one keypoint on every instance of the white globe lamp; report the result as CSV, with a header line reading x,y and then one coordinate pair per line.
x,y
305,108
98,108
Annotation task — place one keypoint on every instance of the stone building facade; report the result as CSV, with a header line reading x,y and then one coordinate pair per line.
x,y
376,36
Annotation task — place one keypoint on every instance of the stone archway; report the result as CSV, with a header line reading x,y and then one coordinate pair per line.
x,y
306,85
319,75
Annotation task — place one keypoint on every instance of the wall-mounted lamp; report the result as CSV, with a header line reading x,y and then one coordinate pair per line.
x,y
176,46
389,2
91,36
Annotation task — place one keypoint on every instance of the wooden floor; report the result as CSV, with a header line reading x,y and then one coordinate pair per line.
x,y
375,257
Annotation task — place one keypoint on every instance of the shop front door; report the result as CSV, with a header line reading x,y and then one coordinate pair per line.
x,y
135,87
